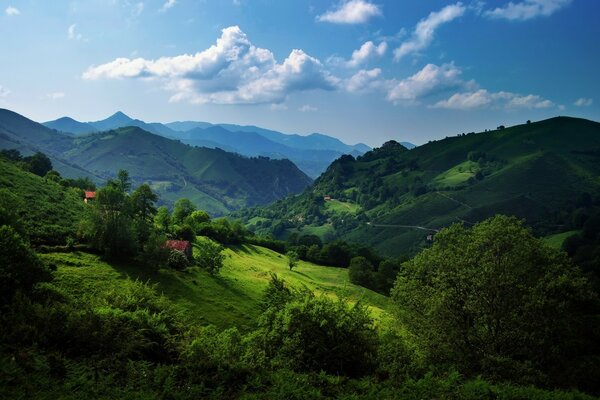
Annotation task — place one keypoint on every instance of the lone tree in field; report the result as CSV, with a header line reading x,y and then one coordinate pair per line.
x,y
293,259
495,300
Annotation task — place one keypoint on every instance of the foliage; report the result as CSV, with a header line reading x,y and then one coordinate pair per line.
x,y
293,259
494,300
178,260
20,268
210,256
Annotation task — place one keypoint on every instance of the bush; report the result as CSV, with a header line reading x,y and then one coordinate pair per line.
x,y
319,334
210,256
178,260
20,267
495,300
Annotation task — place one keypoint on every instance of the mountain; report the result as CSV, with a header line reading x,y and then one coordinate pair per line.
x,y
215,180
69,125
184,126
393,198
408,145
121,120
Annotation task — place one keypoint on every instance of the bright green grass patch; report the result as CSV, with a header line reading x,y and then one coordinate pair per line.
x,y
341,207
557,239
457,175
230,299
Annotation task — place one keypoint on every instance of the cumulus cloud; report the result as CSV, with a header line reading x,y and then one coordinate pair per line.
x,y
232,71
583,102
425,30
527,9
55,95
167,5
482,98
366,52
351,12
12,11
365,80
4,91
307,108
432,79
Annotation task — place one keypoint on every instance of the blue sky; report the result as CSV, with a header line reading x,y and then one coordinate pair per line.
x,y
361,70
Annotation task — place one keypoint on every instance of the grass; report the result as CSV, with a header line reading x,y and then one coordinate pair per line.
x,y
457,175
557,239
341,207
230,299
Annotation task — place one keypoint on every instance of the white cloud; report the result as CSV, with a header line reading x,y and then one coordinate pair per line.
x,y
4,91
307,108
482,98
583,102
168,4
72,33
527,9
55,95
366,52
232,71
351,12
425,30
365,80
12,11
432,79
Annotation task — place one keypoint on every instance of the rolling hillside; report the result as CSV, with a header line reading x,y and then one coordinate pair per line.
x,y
230,299
395,198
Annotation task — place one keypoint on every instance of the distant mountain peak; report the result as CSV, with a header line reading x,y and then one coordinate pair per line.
x,y
120,116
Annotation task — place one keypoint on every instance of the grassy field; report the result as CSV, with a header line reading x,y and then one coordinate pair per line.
x,y
341,207
230,299
557,240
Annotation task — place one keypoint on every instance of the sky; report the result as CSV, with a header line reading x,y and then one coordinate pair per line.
x,y
360,70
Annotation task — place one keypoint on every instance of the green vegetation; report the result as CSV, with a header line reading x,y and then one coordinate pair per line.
x,y
386,197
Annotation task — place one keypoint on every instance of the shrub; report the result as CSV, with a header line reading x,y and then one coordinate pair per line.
x,y
178,260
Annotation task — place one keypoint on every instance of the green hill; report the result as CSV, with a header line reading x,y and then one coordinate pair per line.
x,y
213,179
534,171
47,211
229,299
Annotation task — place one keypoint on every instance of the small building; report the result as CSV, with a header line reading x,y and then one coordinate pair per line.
x,y
180,245
327,198
89,196
430,238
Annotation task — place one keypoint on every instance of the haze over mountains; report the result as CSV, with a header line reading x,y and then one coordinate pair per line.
x,y
312,153
215,180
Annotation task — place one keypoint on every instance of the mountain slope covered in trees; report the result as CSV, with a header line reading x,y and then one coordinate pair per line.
x,y
394,199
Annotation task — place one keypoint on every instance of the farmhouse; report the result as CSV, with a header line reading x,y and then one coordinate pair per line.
x,y
180,245
89,196
327,198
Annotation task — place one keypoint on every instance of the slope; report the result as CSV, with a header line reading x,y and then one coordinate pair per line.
x,y
229,299
533,171
214,179
48,211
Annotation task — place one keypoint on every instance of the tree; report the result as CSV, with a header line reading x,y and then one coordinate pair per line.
x,y
196,218
182,209
38,164
20,267
495,300
293,259
142,201
360,271
163,218
210,256
123,181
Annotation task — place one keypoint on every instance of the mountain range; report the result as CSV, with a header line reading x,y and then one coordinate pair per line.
x,y
312,153
215,180
396,200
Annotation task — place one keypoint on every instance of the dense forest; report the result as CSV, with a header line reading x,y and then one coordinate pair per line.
x,y
486,311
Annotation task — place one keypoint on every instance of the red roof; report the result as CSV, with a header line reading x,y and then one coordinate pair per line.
x,y
180,245
90,195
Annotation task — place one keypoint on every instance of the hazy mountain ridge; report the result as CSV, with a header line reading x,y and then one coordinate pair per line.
x,y
312,153
215,180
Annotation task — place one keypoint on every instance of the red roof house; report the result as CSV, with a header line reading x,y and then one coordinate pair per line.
x,y
180,245
89,196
